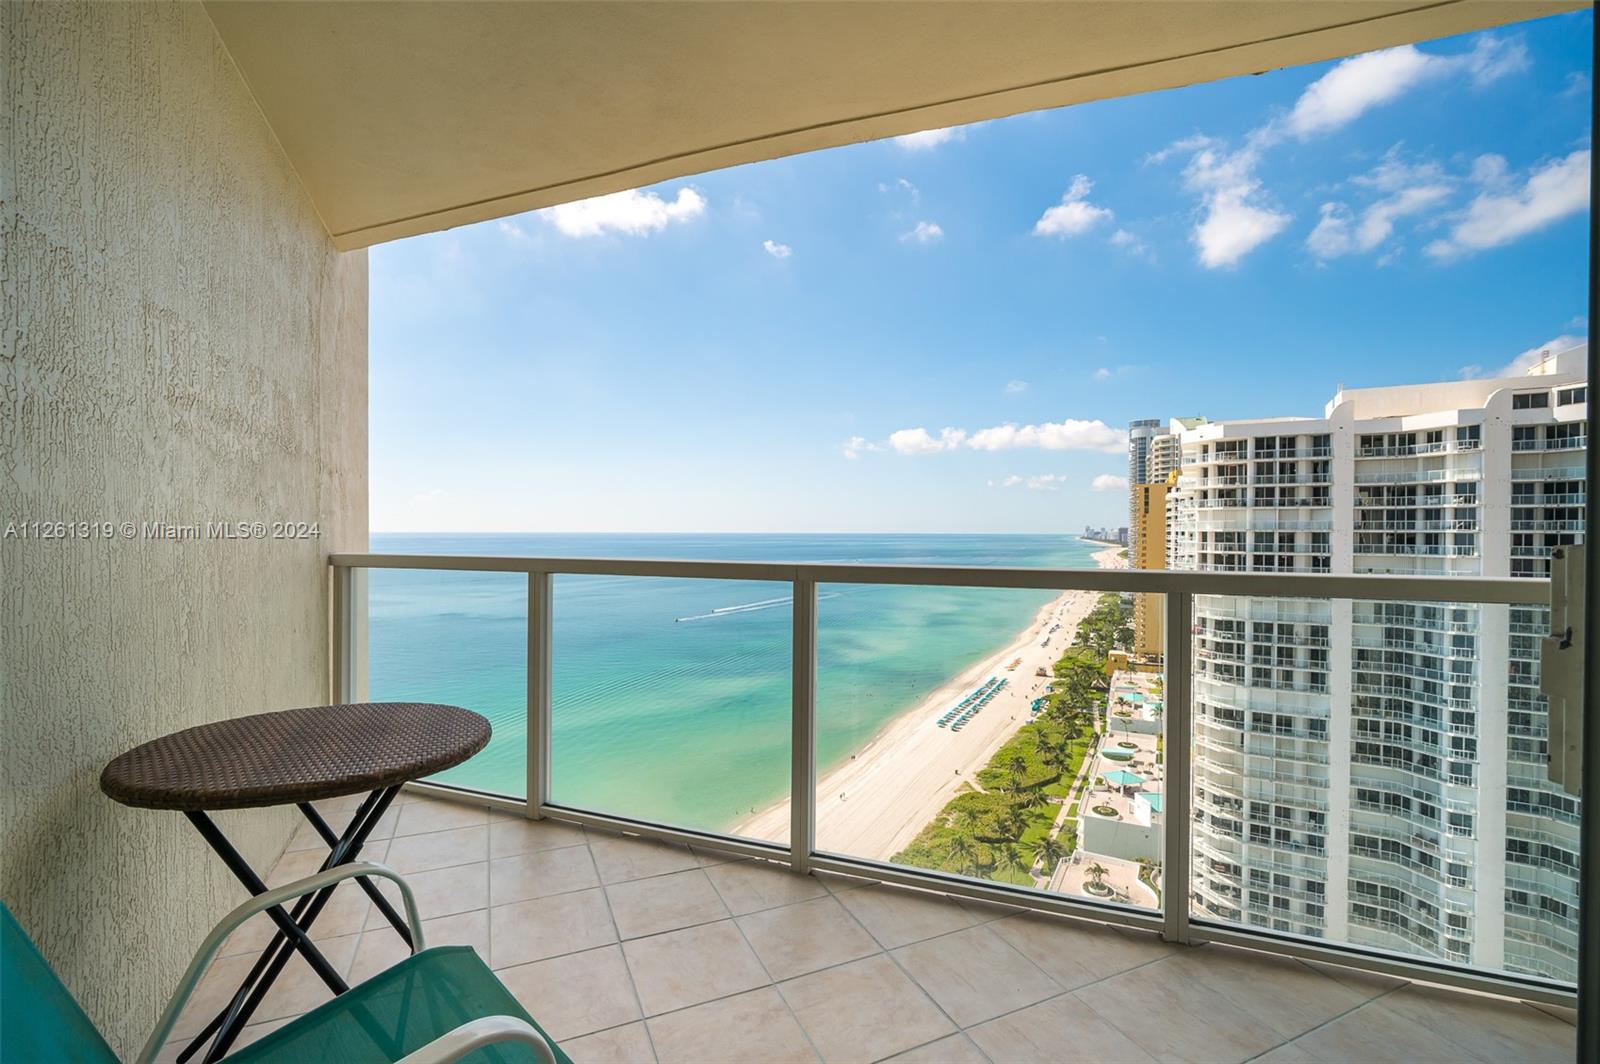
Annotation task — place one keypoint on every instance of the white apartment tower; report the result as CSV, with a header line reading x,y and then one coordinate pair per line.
x,y
1374,773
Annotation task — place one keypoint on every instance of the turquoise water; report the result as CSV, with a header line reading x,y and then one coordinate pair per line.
x,y
671,698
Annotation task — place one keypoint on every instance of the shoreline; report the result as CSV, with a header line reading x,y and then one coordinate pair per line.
x,y
873,804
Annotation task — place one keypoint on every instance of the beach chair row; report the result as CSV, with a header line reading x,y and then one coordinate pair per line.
x,y
968,707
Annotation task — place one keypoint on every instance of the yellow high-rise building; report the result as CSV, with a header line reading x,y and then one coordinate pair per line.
x,y
1150,552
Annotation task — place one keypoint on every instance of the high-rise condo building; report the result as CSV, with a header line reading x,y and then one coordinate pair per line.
x,y
1149,552
1140,434
1148,533
1374,772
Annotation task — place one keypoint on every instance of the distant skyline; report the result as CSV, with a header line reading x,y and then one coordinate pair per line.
x,y
948,332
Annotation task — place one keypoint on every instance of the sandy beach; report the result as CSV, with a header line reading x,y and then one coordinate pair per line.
x,y
875,803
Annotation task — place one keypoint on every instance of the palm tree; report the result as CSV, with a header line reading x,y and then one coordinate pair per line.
x,y
1013,820
1047,852
1018,767
1010,861
1097,873
963,856
1054,758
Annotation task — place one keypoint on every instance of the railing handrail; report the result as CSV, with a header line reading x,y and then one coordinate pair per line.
x,y
1478,589
1187,592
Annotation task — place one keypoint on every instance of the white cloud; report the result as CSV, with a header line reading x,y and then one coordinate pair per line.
x,y
1016,387
920,441
930,138
1357,85
1492,58
1500,215
1341,233
1360,83
1520,365
1577,84
856,446
923,233
1102,374
1042,482
1109,482
1491,171
514,232
1234,227
1394,174
633,212
900,185
1530,358
1129,243
1237,215
777,250
1068,435
1074,215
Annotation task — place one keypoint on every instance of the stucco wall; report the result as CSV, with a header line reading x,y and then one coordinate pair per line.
x,y
181,343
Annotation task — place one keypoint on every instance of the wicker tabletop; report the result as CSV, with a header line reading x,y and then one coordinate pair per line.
x,y
296,755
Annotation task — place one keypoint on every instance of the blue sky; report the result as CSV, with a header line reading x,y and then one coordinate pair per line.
x,y
949,332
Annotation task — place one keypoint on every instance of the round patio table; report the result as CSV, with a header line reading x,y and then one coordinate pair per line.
x,y
296,756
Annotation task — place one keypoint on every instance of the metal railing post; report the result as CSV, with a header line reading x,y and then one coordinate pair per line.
x,y
350,677
541,586
1178,721
802,737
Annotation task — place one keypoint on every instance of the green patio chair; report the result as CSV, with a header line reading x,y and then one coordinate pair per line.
x,y
438,1005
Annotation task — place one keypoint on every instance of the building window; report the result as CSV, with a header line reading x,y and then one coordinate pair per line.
x,y
1569,396
1530,400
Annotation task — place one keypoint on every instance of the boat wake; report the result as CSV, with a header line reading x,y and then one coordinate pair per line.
x,y
749,607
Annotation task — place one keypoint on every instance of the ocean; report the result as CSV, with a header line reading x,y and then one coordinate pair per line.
x,y
671,697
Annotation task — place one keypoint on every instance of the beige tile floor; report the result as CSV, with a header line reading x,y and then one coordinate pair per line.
x,y
629,950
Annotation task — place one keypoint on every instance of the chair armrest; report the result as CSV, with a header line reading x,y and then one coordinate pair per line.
x,y
258,904
469,1036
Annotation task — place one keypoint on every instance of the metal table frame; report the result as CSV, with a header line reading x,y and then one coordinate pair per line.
x,y
293,934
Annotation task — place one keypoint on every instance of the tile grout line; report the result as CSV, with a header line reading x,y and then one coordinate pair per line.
x,y
772,983
1066,992
633,985
960,1033
1330,1019
913,980
1107,1019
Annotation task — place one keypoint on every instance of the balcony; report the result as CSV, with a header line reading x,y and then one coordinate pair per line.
x,y
1429,550
1560,443
1402,450
194,192
1419,476
1551,473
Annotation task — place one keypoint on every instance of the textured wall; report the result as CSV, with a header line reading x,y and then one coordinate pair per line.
x,y
180,343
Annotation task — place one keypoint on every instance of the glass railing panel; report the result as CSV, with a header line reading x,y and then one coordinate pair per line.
x,y
980,733
459,638
671,701
1372,774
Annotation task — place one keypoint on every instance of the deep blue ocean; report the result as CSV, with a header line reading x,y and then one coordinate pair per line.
x,y
671,697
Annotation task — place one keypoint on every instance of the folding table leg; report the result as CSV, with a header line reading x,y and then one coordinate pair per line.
x,y
378,900
228,1023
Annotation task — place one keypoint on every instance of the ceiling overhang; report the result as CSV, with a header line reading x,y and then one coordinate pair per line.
x,y
409,117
